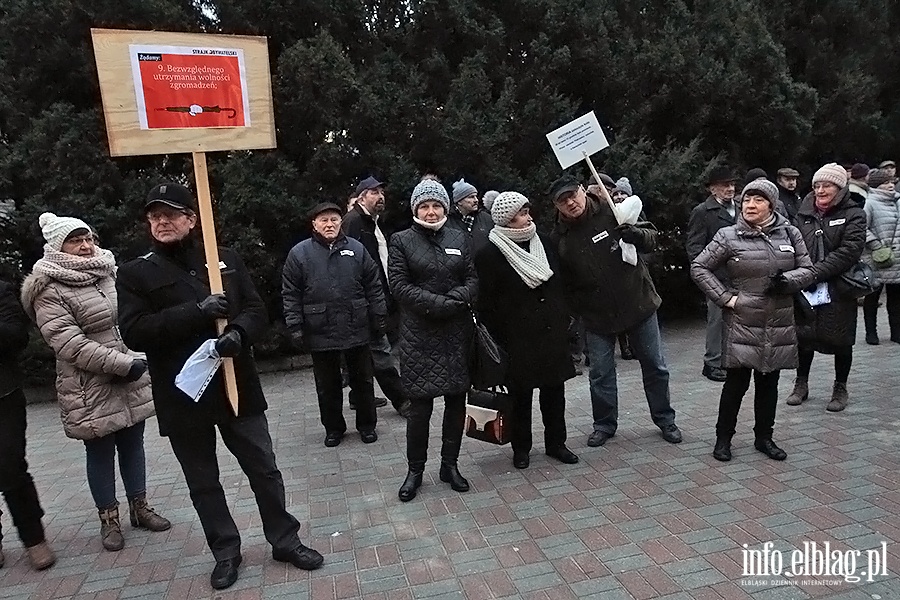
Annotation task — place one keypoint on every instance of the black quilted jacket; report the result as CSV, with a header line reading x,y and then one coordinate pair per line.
x,y
432,279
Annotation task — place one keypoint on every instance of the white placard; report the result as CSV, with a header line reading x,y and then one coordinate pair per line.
x,y
571,141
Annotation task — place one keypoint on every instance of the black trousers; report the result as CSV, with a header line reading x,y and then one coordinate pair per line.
x,y
419,421
248,440
16,483
765,399
552,400
327,371
870,310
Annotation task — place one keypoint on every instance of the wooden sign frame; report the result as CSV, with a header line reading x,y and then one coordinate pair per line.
x,y
120,99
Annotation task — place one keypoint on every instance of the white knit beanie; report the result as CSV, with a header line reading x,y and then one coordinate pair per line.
x,y
831,173
57,229
463,189
429,189
488,199
505,207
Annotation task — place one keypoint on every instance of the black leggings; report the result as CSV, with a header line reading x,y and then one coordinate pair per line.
x,y
843,360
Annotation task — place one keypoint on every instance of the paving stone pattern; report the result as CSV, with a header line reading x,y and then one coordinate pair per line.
x,y
637,518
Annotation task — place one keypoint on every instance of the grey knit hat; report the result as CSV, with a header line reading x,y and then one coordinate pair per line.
x,y
765,188
878,177
488,199
623,184
429,189
505,207
462,189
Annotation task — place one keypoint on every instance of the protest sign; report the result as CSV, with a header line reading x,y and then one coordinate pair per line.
x,y
169,93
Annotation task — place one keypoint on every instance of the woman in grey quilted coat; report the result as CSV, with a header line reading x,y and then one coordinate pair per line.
x,y
882,237
766,262
102,387
433,281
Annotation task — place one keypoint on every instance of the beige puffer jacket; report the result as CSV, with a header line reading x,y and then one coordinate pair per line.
x,y
80,324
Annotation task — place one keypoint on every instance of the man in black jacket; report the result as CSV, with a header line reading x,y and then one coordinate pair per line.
x,y
334,304
466,215
711,215
16,483
364,223
612,296
166,310
787,190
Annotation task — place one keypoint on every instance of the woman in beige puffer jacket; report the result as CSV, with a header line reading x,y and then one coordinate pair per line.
x,y
102,387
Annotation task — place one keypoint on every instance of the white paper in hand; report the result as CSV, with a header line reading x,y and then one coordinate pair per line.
x,y
629,211
819,296
199,370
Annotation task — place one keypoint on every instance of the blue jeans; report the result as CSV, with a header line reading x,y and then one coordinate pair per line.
x,y
101,464
647,346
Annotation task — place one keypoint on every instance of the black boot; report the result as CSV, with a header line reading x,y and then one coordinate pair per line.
x,y
450,474
412,482
722,451
768,447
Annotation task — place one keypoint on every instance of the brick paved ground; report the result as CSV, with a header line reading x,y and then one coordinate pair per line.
x,y
638,518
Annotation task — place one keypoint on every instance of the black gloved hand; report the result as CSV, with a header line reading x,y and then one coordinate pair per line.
x,y
630,234
297,340
378,326
777,285
137,370
214,306
229,343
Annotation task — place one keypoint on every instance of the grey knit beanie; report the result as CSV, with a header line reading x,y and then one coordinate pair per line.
x,y
488,199
461,189
765,187
429,189
505,207
878,177
625,185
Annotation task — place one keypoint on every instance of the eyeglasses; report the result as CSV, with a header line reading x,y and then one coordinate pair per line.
x,y
165,215
81,239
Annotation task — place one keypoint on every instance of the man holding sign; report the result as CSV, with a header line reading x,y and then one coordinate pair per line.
x,y
166,310
612,296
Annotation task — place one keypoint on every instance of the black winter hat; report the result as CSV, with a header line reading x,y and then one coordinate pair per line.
x,y
172,194
322,207
721,175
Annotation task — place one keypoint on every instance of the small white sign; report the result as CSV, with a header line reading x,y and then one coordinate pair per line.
x,y
571,141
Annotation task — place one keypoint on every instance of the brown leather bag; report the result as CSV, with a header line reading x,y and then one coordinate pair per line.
x,y
488,415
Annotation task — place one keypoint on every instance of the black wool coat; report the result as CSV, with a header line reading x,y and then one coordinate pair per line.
x,y
361,226
706,219
481,227
14,326
531,325
835,242
433,281
158,314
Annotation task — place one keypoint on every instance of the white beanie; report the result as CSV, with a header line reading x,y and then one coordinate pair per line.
x,y
57,229
505,207
428,189
831,173
488,199
463,189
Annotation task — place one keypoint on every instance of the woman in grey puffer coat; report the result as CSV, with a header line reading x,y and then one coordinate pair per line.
x,y
766,262
882,236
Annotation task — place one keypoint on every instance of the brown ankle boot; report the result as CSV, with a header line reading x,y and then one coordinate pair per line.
x,y
41,556
144,517
839,398
800,393
111,529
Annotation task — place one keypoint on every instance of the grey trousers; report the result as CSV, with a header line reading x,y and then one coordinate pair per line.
x,y
713,356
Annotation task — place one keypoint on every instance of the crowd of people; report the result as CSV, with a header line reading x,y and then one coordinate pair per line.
x,y
400,308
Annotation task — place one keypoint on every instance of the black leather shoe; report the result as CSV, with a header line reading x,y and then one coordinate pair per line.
x,y
714,373
301,557
450,474
563,455
225,573
521,460
598,438
769,448
722,451
410,486
671,433
368,436
333,438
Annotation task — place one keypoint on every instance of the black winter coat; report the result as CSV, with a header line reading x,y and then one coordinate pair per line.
x,y
530,324
433,281
481,227
790,200
835,242
334,296
706,219
361,226
609,294
14,326
158,314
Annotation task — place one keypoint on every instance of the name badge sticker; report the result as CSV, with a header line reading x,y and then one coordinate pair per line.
x,y
347,253
836,222
222,265
600,236
786,248
453,251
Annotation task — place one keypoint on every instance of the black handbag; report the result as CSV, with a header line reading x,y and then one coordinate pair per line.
x,y
858,281
487,361
488,414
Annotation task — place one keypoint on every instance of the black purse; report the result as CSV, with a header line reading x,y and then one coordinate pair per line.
x,y
858,281
487,360
488,414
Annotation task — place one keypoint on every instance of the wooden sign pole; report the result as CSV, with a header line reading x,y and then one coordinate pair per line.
x,y
211,247
603,191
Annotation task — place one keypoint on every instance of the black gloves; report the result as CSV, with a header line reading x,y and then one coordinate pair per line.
x,y
378,326
137,370
297,340
214,306
229,343
778,285
630,234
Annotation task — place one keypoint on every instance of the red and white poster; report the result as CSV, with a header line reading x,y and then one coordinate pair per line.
x,y
182,87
